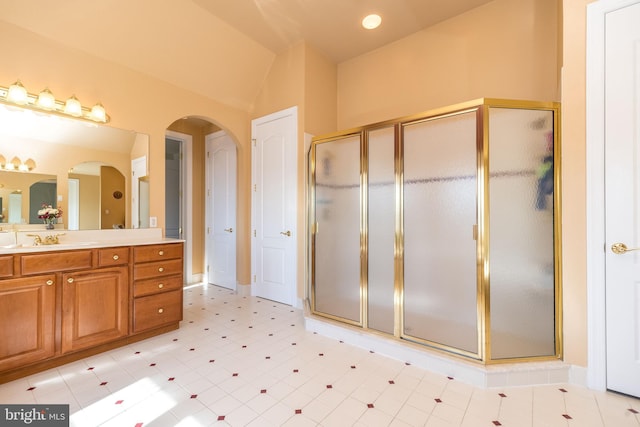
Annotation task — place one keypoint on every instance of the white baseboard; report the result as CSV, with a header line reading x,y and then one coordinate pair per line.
x,y
484,376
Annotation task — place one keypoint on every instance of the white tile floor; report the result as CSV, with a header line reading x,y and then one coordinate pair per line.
x,y
246,361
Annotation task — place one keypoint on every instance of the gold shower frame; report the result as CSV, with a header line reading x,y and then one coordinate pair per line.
x,y
481,108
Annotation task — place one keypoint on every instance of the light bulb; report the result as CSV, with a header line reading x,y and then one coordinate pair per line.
x,y
46,100
17,93
98,113
73,107
371,21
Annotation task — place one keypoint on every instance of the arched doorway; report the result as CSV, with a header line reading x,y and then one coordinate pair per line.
x,y
197,213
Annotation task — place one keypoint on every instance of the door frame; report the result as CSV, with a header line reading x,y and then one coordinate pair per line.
x,y
187,199
595,179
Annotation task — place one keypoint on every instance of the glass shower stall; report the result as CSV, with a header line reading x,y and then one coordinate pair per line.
x,y
443,229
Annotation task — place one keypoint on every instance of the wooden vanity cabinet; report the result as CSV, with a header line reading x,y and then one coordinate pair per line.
x,y
60,306
95,307
157,285
27,320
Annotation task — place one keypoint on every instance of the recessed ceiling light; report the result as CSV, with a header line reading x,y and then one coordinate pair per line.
x,y
371,21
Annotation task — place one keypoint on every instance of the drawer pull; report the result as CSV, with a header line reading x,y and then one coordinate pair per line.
x,y
161,269
160,253
160,286
49,282
70,280
116,257
161,310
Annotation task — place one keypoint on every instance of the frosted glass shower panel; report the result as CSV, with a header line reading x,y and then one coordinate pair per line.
x,y
381,229
440,197
337,233
521,249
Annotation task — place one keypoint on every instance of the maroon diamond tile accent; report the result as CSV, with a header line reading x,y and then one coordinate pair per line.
x,y
268,357
341,342
438,400
295,371
263,391
103,383
497,423
31,388
193,396
563,390
320,354
119,402
192,349
369,405
270,335
235,374
244,346
329,386
293,343
502,395
633,411
450,378
90,369
250,327
137,352
153,364
392,382
206,329
175,339
298,411
371,351
220,417
567,416
171,379
212,360
353,366
407,363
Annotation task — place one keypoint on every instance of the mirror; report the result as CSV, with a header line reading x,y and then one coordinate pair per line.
x,y
95,173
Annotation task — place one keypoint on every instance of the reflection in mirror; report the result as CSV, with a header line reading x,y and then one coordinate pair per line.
x,y
58,144
97,195
23,194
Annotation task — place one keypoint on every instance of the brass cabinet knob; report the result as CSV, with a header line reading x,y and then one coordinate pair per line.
x,y
49,282
70,280
116,257
161,310
160,286
161,269
160,253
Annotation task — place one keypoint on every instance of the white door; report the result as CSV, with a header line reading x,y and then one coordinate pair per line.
x,y
221,210
138,171
274,206
622,192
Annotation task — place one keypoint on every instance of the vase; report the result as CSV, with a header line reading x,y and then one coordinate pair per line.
x,y
49,226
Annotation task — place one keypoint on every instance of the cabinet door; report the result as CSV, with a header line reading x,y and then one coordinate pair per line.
x,y
94,307
27,320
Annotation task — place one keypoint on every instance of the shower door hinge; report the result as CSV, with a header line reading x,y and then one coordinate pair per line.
x,y
255,188
254,233
254,141
254,278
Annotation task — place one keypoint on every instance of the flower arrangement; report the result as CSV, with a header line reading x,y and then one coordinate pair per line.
x,y
48,214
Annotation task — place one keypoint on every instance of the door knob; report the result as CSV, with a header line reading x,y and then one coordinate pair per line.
x,y
229,230
286,233
620,248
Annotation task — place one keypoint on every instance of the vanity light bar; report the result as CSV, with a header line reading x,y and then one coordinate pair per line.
x,y
17,94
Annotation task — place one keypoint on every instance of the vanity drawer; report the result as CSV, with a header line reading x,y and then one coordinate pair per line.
x,y
157,310
113,256
157,285
157,269
157,252
48,262
6,266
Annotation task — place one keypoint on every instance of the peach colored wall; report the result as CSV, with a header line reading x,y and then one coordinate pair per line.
x,y
134,101
504,49
574,181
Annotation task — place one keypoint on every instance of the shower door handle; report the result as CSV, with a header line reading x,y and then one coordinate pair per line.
x,y
229,230
621,248
287,233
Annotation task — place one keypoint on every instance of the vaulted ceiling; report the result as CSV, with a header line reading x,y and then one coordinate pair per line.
x,y
222,49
